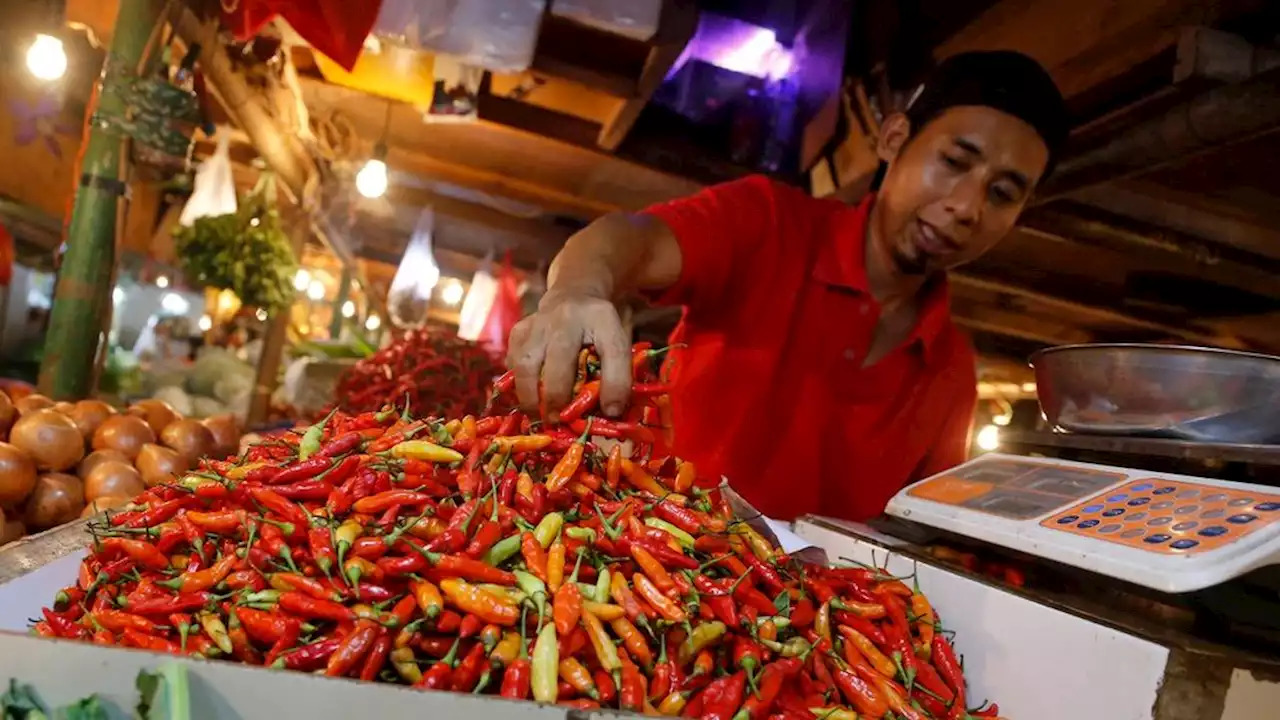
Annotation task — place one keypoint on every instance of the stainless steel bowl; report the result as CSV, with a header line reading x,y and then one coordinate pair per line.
x,y
1172,391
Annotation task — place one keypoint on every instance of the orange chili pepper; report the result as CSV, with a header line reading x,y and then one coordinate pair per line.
x,y
429,599
524,485
652,568
641,479
566,607
660,602
555,565
923,611
878,660
534,556
632,640
569,463
613,470
686,473
576,674
484,605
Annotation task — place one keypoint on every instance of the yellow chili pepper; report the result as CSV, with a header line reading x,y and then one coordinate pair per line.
x,y
555,565
605,611
702,637
239,472
423,450
524,485
453,427
834,713
507,650
822,622
544,667
606,652
403,661
673,704
548,528
216,630
522,443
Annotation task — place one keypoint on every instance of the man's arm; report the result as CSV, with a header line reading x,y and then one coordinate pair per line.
x,y
683,250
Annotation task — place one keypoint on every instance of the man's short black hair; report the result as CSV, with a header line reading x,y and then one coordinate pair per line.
x,y
1004,80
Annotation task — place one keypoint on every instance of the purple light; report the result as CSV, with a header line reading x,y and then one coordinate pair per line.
x,y
737,46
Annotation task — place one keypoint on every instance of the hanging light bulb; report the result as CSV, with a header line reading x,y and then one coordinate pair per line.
x,y
988,438
46,58
301,280
315,290
372,179
373,323
206,323
452,292
162,282
348,309
260,314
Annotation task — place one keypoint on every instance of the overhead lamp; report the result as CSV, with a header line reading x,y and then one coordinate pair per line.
x,y
301,280
46,58
206,323
260,314
373,323
452,293
175,303
315,290
372,180
988,438
162,282
348,309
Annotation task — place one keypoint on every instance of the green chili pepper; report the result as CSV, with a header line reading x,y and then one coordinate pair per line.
x,y
310,444
545,666
534,588
681,536
601,594
583,534
698,640
548,528
502,551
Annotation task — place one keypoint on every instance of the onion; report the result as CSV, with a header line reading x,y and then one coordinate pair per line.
x,y
113,478
8,413
159,464
97,457
17,475
89,414
50,437
12,529
31,403
157,413
226,433
108,502
57,499
125,433
191,439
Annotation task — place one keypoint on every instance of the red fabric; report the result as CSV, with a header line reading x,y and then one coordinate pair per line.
x,y
336,28
6,257
504,314
770,390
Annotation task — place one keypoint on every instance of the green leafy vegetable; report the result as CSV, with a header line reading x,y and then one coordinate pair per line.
x,y
89,708
21,703
165,694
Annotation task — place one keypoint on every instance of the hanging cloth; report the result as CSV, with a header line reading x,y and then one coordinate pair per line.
x,y
336,28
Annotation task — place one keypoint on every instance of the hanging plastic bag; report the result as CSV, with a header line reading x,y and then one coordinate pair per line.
x,y
497,35
215,187
480,297
504,315
409,299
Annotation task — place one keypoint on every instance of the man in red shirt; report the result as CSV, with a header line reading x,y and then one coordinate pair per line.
x,y
822,371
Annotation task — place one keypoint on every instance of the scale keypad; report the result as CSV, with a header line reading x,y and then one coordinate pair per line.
x,y
1168,516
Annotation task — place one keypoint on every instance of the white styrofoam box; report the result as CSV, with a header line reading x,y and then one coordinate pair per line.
x,y
498,35
1035,661
636,19
22,599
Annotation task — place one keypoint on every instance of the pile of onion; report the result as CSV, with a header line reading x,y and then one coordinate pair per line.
x,y
63,461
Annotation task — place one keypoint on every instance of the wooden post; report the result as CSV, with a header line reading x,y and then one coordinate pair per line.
x,y
84,280
344,293
273,342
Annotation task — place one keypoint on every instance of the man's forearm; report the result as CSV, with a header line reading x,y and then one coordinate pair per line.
x,y
610,257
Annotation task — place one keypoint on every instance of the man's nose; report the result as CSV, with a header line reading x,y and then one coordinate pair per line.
x,y
966,200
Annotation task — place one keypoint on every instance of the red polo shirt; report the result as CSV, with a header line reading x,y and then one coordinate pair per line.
x,y
770,391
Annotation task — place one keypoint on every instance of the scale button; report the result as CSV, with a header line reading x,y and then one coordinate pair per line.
x,y
1068,519
1113,512
1187,509
1184,544
1216,497
1266,507
1187,494
1185,526
1163,505
1132,533
1137,516
1213,514
1214,531
1139,501
1242,519
1241,502
1086,524
1157,539
1108,529
1142,486
1157,522
1096,508
1118,498
1164,490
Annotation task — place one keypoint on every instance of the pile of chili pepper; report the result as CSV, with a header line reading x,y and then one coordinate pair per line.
x,y
431,368
504,555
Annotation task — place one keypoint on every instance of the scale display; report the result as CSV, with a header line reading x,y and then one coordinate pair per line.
x,y
1174,533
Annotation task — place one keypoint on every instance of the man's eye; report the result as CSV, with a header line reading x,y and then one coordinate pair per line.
x,y
953,163
1002,196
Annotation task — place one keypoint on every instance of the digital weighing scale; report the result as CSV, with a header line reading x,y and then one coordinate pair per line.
x,y
1172,533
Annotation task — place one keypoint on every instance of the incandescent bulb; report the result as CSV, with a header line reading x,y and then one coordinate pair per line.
x,y
301,280
988,438
206,323
348,309
452,293
373,323
371,181
315,290
162,282
46,58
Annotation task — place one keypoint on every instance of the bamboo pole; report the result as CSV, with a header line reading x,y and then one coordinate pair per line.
x,y
83,292
344,292
273,342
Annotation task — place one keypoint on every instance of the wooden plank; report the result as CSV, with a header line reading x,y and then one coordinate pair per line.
x,y
678,22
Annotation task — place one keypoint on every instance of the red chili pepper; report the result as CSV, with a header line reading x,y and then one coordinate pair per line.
x,y
486,535
166,604
140,551
285,508
859,693
723,703
534,556
62,626
352,649
665,555
305,490
304,470
377,657
767,573
516,680
760,703
309,607
157,514
341,445
193,582
472,570
467,674
310,657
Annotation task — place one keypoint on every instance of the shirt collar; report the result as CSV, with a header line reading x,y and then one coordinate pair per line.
x,y
841,263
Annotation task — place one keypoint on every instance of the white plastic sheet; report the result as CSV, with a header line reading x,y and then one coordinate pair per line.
x,y
498,35
409,298
480,297
636,19
215,187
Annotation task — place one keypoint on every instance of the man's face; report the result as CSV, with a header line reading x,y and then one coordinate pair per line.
x,y
954,187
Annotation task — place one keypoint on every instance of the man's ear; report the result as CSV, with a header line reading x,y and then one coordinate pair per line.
x,y
894,132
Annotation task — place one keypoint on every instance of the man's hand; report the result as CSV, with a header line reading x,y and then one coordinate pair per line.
x,y
544,347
